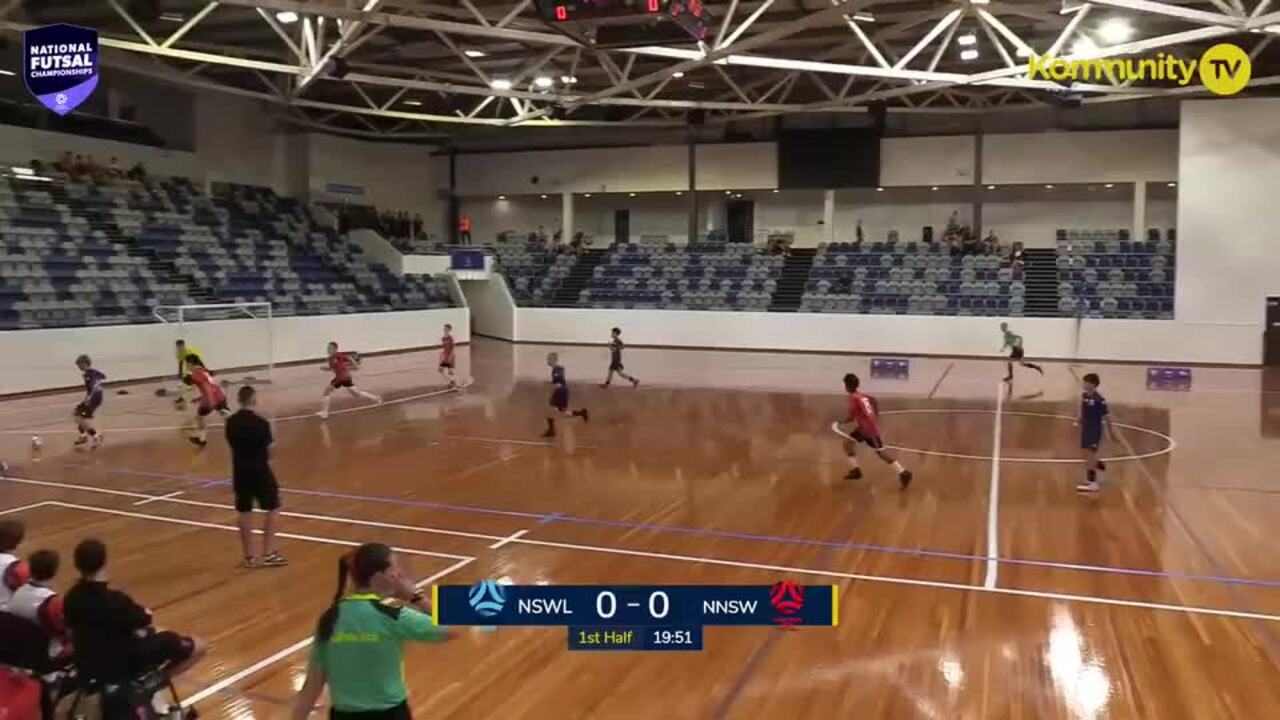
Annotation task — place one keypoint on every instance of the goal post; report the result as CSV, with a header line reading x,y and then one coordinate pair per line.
x,y
238,338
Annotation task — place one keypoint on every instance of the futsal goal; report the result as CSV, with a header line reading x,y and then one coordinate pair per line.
x,y
234,339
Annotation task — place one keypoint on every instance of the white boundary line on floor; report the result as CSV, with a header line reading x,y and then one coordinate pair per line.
x,y
993,494
286,418
509,539
161,497
883,579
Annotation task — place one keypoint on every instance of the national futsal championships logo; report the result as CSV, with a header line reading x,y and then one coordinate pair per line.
x,y
487,598
60,65
787,598
1223,69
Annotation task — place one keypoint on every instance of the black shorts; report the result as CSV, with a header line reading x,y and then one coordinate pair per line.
x,y
186,380
162,648
205,409
446,364
560,399
1090,439
875,442
399,712
1017,353
336,383
260,490
88,406
616,366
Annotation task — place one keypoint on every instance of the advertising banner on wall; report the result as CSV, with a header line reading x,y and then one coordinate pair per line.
x,y
60,65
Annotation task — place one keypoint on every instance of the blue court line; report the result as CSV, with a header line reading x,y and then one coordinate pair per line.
x,y
544,518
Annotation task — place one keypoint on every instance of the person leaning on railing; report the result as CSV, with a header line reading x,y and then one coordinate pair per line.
x,y
359,642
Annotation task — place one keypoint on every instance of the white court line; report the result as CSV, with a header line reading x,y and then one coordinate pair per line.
x,y
276,657
508,539
505,441
160,497
287,418
233,528
23,508
885,579
217,506
993,495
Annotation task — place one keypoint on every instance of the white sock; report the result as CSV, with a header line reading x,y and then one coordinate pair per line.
x,y
368,396
853,461
324,405
898,467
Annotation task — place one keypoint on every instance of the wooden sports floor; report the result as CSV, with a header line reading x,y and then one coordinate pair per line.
x,y
989,589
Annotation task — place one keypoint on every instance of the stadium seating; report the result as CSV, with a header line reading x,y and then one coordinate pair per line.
x,y
702,276
79,253
1102,274
910,278
533,272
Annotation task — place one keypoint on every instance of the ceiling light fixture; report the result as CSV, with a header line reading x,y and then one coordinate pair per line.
x,y
991,187
172,17
568,79
935,187
544,197
1048,186
500,84
502,197
413,103
1110,185
967,39
1172,184
631,194
543,81
1115,31
677,75
969,54
475,53
879,189
586,194
864,17
9,73
288,17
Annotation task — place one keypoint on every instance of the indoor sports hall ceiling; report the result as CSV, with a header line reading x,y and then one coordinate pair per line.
x,y
419,68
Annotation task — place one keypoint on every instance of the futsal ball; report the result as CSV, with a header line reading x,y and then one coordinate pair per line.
x,y
36,442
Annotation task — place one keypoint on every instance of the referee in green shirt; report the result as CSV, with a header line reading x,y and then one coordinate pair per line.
x,y
359,644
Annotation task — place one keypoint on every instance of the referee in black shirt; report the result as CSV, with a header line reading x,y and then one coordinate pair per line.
x,y
249,436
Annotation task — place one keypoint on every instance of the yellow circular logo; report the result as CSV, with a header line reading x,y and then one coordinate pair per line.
x,y
1225,69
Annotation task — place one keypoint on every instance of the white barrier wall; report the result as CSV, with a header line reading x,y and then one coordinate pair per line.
x,y
493,310
44,359
1123,340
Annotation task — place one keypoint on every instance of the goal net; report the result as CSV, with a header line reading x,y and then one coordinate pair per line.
x,y
233,339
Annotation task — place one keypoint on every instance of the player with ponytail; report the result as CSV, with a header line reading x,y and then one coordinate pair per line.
x,y
359,644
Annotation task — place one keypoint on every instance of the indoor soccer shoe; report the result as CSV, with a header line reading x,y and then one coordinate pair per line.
x,y
904,479
854,474
1088,487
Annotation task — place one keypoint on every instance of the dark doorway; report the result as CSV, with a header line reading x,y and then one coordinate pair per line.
x,y
741,221
621,226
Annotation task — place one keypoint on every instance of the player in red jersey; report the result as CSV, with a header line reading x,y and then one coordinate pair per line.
x,y
447,359
211,398
342,363
862,416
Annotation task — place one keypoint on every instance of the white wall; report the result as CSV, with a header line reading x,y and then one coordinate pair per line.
x,y
654,214
736,166
490,216
378,250
1035,224
238,141
130,352
21,145
920,161
1229,176
493,310
908,219
1126,340
1080,157
394,176
627,169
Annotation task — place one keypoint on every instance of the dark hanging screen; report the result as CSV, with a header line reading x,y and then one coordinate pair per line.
x,y
828,159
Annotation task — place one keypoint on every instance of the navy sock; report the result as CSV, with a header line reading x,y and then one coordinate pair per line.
x,y
1092,475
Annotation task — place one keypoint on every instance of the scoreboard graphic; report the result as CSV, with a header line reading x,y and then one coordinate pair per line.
x,y
636,617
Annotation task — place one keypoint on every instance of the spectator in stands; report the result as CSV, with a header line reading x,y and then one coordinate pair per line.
x,y
115,640
857,232
37,166
417,225
953,222
464,229
113,168
1017,257
91,166
36,601
78,167
138,172
66,163
13,572
970,244
991,244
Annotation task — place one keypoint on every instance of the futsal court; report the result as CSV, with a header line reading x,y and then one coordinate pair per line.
x,y
989,588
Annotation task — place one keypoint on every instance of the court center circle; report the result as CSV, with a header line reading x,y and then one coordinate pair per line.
x,y
1170,443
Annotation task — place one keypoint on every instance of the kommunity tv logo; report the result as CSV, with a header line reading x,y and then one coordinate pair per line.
x,y
1223,69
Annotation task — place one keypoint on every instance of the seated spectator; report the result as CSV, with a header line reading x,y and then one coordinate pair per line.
x,y
138,172
969,243
39,603
78,166
37,166
13,571
953,222
858,233
113,168
1017,257
91,166
991,244
66,163
114,637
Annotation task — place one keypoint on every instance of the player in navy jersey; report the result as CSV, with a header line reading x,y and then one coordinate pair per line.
x,y
1093,415
560,397
615,360
84,412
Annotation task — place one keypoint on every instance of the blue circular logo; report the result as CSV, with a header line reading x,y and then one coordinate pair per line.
x,y
487,598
